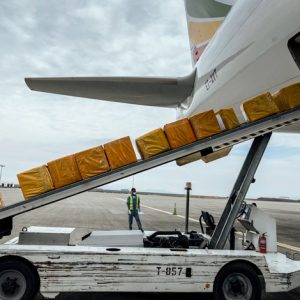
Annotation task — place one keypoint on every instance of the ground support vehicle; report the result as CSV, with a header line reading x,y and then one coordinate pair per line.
x,y
42,259
56,269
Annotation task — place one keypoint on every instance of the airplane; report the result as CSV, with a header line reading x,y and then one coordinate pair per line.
x,y
239,49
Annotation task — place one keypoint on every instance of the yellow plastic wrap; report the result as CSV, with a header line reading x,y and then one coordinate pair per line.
x,y
260,107
205,124
188,159
92,162
279,100
120,153
64,171
152,143
35,182
179,133
216,155
228,118
288,97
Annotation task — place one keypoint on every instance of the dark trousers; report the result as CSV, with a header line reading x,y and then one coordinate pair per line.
x,y
134,214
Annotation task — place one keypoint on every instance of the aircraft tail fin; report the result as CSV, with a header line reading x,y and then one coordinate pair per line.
x,y
204,17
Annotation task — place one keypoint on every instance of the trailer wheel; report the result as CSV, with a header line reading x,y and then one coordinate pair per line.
x,y
17,281
236,282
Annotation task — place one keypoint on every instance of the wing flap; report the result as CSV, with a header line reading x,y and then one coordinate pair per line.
x,y
163,92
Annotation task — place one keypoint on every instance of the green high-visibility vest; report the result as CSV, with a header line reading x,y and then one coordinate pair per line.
x,y
131,202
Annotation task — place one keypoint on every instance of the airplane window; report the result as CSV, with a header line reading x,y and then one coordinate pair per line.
x,y
294,47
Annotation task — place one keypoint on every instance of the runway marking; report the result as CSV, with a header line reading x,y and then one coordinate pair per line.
x,y
282,245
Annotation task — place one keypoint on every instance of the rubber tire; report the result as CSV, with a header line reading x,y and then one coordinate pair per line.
x,y
32,284
244,269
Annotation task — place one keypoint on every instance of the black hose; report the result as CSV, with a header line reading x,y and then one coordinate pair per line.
x,y
201,225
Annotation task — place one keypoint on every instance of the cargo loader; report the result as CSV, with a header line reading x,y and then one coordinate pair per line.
x,y
218,260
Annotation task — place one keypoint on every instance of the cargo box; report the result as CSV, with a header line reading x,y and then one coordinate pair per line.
x,y
288,97
120,152
228,118
92,162
35,182
216,155
152,143
205,124
260,107
188,159
64,171
179,133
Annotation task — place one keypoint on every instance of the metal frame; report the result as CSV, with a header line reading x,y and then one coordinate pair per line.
x,y
239,191
225,139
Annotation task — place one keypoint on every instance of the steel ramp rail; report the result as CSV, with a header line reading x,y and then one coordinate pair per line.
x,y
246,131
239,192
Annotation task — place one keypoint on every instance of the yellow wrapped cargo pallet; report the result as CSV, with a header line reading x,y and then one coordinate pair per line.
x,y
188,159
288,97
120,152
152,143
216,155
205,124
64,171
92,162
179,133
35,182
260,107
228,118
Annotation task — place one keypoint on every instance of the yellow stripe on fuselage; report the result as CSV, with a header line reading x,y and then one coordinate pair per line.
x,y
200,32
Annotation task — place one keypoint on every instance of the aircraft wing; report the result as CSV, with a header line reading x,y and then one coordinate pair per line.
x,y
163,92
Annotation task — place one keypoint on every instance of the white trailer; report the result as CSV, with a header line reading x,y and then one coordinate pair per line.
x,y
229,274
55,269
43,259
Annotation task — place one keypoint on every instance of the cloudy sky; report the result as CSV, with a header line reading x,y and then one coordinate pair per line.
x,y
107,38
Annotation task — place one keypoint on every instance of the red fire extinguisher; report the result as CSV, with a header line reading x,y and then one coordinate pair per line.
x,y
262,243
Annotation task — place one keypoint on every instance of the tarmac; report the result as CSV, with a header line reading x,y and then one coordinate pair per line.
x,y
108,211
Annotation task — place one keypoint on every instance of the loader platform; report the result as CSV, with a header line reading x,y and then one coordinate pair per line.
x,y
245,132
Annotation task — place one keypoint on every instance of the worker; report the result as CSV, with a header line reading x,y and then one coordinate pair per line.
x,y
133,205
